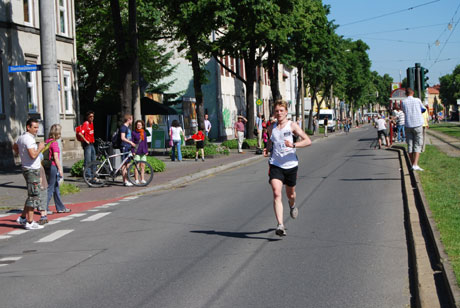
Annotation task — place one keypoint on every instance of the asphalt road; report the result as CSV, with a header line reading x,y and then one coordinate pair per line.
x,y
212,243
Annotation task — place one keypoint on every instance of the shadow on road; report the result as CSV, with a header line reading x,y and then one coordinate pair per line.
x,y
238,234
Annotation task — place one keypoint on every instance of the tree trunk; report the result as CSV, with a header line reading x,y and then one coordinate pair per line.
x,y
134,59
273,73
199,105
250,67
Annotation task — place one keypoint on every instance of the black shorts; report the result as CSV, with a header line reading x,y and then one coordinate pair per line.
x,y
200,144
287,176
381,132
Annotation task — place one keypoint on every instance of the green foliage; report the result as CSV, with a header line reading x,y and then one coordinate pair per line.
x,y
309,132
233,143
157,165
450,87
210,149
77,168
67,189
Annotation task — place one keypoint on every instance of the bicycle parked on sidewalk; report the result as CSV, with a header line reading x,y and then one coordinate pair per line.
x,y
98,172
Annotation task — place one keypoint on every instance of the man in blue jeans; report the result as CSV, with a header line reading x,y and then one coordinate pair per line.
x,y
87,135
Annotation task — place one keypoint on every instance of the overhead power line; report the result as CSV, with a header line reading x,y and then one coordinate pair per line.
x,y
391,13
400,29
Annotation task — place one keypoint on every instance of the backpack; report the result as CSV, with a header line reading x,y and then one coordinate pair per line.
x,y
46,162
116,139
78,131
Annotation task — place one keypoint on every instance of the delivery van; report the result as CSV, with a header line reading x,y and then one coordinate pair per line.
x,y
331,120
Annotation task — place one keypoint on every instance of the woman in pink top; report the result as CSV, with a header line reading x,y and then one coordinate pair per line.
x,y
55,172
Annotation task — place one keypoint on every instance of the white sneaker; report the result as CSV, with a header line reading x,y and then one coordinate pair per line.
x,y
143,182
416,168
136,182
280,230
33,226
21,221
128,184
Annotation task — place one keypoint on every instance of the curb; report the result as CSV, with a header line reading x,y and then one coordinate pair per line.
x,y
426,251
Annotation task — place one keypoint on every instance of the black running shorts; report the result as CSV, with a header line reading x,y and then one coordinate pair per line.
x,y
287,176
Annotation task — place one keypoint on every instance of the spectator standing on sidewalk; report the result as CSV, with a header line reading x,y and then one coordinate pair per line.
x,y
139,137
400,124
207,125
259,130
315,125
425,124
29,152
55,172
283,162
87,134
412,108
326,120
382,132
199,139
239,132
174,134
126,144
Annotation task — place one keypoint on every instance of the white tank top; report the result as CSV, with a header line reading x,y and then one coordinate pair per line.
x,y
281,155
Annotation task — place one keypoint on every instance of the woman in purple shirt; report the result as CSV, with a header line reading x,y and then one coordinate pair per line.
x,y
139,137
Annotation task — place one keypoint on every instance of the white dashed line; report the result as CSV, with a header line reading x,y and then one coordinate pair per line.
x,y
93,210
63,218
77,215
112,204
4,215
54,236
95,217
8,260
17,232
53,222
4,237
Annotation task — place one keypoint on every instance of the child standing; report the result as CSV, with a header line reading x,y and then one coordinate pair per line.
x,y
199,139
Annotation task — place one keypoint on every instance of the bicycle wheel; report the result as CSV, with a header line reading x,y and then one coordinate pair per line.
x,y
96,174
135,170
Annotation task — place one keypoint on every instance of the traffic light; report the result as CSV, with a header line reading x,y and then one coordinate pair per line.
x,y
411,77
424,78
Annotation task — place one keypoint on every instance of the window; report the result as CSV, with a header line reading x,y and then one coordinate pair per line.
x,y
27,5
63,17
68,101
31,92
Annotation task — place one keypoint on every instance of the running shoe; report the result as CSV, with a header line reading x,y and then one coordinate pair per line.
x,y
43,220
416,168
143,182
280,230
128,184
32,226
21,221
294,212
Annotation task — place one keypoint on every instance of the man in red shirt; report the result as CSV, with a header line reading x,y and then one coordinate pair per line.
x,y
87,134
239,132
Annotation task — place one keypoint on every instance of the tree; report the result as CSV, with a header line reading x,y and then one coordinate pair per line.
x,y
449,91
192,23
244,37
98,57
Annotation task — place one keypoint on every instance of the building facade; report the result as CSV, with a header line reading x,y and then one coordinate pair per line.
x,y
21,92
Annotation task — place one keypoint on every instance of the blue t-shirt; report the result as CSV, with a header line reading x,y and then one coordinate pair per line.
x,y
127,131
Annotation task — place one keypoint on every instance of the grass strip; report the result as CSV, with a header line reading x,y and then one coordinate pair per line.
x,y
441,184
67,189
450,129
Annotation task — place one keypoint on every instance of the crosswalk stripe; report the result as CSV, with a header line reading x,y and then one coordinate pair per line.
x,y
110,204
4,215
77,215
95,217
4,237
54,236
10,259
63,218
17,232
93,210
53,222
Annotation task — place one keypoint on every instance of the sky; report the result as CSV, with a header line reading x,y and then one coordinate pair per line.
x,y
402,33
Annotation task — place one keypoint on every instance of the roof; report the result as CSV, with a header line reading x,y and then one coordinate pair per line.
x,y
434,89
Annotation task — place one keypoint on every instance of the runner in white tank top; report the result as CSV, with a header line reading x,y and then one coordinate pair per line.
x,y
283,162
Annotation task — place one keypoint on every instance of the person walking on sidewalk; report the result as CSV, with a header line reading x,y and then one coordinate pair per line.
x,y
174,134
29,152
412,108
259,128
426,124
382,132
326,120
239,132
87,135
283,162
55,173
126,145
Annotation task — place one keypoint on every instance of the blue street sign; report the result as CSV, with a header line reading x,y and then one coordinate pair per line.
x,y
24,68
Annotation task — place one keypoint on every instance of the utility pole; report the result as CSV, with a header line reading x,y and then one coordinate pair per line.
x,y
302,99
418,80
49,65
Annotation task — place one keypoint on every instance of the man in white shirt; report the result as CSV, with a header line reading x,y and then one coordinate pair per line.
x,y
207,125
382,131
412,108
29,151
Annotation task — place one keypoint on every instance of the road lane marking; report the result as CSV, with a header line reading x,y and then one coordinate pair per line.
x,y
4,215
4,237
93,210
53,222
77,215
17,232
54,236
95,217
63,218
8,260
